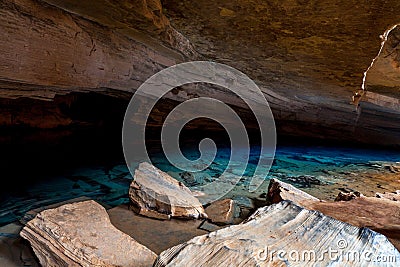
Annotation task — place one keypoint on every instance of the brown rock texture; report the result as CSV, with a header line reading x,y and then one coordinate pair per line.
x,y
157,235
283,226
47,51
279,191
384,74
221,211
81,234
379,214
348,196
308,57
154,193
395,196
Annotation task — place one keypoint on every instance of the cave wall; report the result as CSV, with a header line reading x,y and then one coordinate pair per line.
x,y
307,56
46,50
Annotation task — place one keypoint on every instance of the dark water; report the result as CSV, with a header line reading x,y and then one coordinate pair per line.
x,y
37,174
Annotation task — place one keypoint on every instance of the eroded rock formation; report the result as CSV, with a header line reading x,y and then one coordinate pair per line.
x,y
154,193
282,227
81,234
279,191
222,211
379,214
307,57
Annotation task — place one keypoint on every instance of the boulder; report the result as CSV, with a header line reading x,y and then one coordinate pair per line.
x,y
188,178
348,196
156,194
222,211
278,191
284,234
81,234
209,227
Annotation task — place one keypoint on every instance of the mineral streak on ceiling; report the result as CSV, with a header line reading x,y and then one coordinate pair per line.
x,y
382,78
307,56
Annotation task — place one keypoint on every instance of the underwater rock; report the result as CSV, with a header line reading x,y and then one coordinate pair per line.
x,y
222,211
156,194
282,228
244,202
304,180
188,178
210,227
395,196
278,191
81,234
348,196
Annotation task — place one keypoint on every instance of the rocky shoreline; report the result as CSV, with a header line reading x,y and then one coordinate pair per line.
x,y
227,232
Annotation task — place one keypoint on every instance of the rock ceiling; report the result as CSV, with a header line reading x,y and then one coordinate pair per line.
x,y
307,56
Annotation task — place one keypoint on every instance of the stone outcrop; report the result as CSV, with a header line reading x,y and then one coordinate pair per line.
x,y
81,234
283,227
222,211
154,193
278,191
379,214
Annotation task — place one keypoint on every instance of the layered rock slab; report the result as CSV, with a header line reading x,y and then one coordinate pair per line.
x,y
154,193
282,227
81,234
278,191
379,214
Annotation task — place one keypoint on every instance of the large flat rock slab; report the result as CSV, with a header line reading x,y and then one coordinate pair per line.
x,y
157,235
284,234
154,193
379,214
81,234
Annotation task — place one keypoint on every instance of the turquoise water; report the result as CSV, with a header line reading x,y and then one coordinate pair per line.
x,y
108,183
